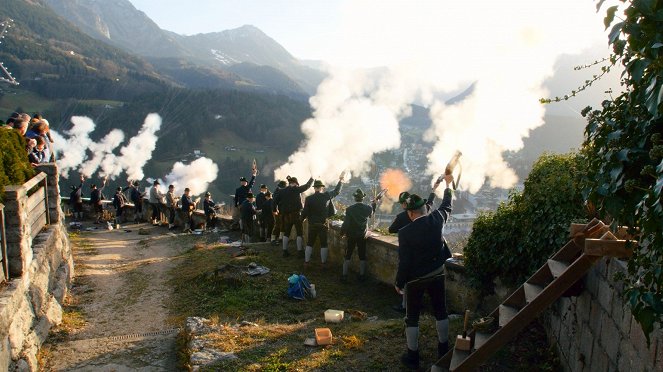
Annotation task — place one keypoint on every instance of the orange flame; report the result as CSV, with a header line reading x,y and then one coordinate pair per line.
x,y
395,181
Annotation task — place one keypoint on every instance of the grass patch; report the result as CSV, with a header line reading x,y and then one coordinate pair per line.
x,y
135,283
208,282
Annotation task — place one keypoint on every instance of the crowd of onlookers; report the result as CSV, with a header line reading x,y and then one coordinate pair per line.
x,y
36,131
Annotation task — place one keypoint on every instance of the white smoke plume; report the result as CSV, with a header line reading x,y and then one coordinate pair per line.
x,y
101,150
197,176
77,151
428,51
70,152
137,153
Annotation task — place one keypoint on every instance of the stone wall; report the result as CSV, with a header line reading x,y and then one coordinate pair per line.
x,y
42,269
596,331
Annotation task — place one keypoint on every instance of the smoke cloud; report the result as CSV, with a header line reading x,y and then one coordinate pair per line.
x,y
197,176
395,181
429,51
77,151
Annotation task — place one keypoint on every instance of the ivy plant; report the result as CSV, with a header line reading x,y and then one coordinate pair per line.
x,y
624,150
512,242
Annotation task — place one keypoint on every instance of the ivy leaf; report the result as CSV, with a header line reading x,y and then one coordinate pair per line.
x,y
623,155
614,33
610,16
637,68
645,6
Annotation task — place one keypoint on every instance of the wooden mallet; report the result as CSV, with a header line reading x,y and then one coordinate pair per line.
x,y
463,342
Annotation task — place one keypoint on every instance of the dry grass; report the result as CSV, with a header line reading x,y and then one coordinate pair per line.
x,y
209,283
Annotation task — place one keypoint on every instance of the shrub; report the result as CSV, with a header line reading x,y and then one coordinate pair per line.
x,y
14,166
512,242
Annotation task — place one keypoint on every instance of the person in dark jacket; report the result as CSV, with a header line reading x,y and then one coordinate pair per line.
x,y
38,154
402,220
136,197
260,201
188,206
96,199
267,217
119,202
247,212
355,227
76,200
240,194
209,207
276,231
289,204
316,211
421,269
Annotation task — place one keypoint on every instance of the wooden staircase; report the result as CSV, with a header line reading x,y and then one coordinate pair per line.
x,y
541,290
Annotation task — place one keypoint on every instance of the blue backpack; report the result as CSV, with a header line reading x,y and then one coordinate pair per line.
x,y
298,287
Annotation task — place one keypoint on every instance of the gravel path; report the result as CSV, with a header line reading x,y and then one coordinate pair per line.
x,y
121,289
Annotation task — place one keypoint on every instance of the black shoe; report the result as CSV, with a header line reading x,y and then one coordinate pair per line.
x,y
442,349
399,308
286,253
411,359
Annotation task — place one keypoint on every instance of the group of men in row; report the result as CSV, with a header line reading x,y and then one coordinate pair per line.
x,y
422,248
36,131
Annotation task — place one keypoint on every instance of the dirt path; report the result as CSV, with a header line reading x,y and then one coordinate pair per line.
x,y
120,288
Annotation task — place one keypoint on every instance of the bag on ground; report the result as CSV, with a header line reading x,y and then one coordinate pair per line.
x,y
298,287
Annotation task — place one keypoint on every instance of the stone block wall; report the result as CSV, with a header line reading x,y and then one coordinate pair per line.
x,y
596,331
31,302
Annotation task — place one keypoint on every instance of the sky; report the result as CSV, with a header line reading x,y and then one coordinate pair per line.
x,y
303,27
326,29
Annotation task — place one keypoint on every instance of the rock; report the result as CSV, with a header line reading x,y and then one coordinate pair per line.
x,y
197,326
207,357
143,231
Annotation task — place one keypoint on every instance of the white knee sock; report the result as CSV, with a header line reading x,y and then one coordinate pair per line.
x,y
324,253
346,264
442,330
307,253
300,243
412,338
285,243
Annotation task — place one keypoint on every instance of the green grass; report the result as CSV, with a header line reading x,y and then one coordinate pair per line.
x,y
30,102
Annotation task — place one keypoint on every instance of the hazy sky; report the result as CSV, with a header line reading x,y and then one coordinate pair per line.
x,y
298,25
324,29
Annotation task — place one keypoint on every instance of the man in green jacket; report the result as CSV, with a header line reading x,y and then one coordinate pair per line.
x,y
355,227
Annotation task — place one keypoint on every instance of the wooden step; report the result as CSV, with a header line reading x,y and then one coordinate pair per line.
x,y
531,291
480,339
557,268
506,314
458,358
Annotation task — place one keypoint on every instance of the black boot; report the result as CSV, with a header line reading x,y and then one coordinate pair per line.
x,y
442,348
411,359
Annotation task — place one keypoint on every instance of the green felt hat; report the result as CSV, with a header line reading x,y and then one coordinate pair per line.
x,y
282,184
318,183
402,197
359,195
414,201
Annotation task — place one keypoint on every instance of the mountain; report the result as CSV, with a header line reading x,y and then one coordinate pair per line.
x,y
119,23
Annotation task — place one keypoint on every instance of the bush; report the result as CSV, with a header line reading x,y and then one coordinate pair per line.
x,y
512,242
14,166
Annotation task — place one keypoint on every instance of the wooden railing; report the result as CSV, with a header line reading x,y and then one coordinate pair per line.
x,y
38,215
3,242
